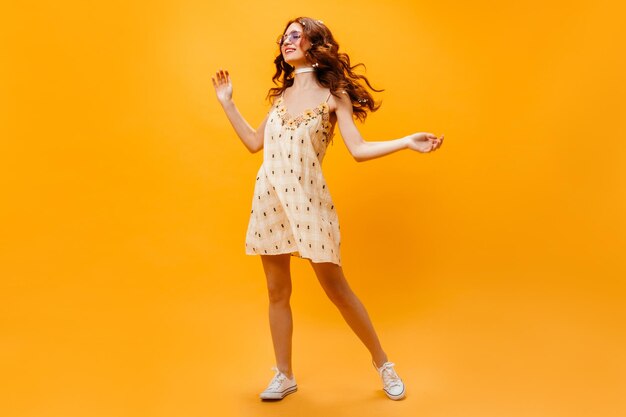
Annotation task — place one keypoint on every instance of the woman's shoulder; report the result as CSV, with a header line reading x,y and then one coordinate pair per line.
x,y
339,98
340,94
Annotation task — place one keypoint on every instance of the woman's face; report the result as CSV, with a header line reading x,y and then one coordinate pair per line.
x,y
294,45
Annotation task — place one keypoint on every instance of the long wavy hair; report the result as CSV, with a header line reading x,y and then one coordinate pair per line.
x,y
333,69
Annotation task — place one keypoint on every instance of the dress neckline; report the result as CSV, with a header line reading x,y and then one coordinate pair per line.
x,y
309,111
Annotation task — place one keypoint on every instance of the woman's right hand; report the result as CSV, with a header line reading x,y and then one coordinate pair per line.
x,y
223,86
424,142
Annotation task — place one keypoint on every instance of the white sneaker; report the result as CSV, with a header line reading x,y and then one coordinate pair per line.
x,y
279,387
392,384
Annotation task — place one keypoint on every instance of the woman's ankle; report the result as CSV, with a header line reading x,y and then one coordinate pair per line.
x,y
286,371
379,360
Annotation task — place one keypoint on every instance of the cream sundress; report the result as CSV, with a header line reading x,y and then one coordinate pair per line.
x,y
292,210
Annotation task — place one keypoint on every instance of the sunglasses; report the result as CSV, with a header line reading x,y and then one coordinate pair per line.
x,y
293,36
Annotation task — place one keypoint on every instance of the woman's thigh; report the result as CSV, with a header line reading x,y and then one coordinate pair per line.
x,y
332,279
278,274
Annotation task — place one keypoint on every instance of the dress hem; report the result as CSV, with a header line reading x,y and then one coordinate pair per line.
x,y
297,254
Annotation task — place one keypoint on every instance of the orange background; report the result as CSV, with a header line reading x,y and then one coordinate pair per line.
x,y
493,268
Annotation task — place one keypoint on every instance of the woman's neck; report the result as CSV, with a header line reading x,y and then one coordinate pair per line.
x,y
305,80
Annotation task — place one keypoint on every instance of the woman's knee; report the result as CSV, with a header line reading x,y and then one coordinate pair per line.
x,y
278,291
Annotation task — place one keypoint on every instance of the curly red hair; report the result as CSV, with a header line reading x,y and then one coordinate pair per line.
x,y
333,70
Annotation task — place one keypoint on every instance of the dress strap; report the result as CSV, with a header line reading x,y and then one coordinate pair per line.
x,y
329,94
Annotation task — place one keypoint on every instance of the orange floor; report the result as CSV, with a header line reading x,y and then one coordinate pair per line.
x,y
483,348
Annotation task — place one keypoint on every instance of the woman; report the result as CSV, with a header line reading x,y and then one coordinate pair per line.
x,y
292,211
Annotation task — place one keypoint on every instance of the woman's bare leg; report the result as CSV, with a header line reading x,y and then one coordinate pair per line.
x,y
278,276
334,282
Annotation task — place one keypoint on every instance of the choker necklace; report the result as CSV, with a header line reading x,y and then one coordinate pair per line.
x,y
305,69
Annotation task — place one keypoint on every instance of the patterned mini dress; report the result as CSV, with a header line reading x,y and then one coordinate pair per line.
x,y
292,209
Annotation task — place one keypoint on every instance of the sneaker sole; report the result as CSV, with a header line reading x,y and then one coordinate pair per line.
x,y
278,395
395,397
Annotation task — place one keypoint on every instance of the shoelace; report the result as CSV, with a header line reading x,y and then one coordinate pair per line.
x,y
390,377
277,380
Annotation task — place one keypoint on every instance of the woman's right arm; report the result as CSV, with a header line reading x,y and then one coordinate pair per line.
x,y
252,139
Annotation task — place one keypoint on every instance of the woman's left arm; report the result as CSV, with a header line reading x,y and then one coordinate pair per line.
x,y
362,150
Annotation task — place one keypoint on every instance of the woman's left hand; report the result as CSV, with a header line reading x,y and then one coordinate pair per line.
x,y
424,142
